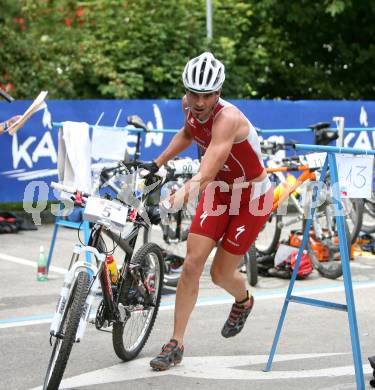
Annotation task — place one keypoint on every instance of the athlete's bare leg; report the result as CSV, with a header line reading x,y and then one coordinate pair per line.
x,y
198,250
224,273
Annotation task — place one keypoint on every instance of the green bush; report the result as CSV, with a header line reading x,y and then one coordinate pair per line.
x,y
114,49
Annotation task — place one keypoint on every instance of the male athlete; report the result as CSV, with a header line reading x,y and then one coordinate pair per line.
x,y
235,203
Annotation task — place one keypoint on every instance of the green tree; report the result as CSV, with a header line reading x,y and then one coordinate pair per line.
x,y
295,49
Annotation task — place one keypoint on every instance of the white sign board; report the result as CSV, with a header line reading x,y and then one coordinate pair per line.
x,y
355,175
315,160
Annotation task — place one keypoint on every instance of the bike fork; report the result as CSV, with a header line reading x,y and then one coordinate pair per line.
x,y
69,279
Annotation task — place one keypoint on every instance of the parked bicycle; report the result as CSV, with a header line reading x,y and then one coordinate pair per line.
x,y
324,228
130,303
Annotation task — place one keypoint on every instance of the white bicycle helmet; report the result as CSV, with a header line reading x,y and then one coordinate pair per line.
x,y
203,74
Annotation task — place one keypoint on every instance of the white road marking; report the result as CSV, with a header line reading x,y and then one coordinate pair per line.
x,y
218,300
30,263
360,266
25,323
206,367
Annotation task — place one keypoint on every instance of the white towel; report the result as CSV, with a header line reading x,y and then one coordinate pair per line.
x,y
74,155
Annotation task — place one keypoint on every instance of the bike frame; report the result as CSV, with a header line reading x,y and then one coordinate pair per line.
x,y
307,174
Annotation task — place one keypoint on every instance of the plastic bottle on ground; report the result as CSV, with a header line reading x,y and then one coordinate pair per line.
x,y
42,266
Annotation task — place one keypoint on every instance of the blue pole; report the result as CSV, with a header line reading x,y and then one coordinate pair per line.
x,y
261,131
277,131
334,149
344,253
294,275
52,246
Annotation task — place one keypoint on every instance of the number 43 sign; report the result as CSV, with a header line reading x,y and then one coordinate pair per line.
x,y
355,175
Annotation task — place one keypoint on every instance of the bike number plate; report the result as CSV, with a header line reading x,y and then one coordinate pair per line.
x,y
315,160
106,212
185,166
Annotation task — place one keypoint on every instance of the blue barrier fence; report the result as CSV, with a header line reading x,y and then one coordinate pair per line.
x,y
32,153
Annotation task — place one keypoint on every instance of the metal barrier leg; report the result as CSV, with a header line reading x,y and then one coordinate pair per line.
x,y
294,275
347,275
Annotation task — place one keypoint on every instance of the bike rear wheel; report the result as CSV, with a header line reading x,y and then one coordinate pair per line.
x,y
68,329
269,237
354,216
130,336
368,223
251,266
325,229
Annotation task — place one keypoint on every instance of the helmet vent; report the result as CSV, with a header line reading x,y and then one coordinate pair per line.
x,y
218,76
194,73
209,76
201,74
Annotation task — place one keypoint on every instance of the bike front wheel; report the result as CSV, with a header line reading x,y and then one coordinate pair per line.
x,y
130,336
68,329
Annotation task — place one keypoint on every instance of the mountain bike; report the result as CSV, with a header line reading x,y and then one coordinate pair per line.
x,y
130,303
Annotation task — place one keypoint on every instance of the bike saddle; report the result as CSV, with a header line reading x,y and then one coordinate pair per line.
x,y
325,136
319,126
137,122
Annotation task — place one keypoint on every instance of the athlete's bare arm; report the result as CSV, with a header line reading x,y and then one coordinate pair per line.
x,y
181,141
224,133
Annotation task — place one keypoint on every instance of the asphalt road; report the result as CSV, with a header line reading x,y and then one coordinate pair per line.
x,y
314,351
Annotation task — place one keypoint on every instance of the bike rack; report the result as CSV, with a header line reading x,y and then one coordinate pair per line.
x,y
350,305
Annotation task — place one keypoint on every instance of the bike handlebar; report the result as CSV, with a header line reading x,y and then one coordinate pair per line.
x,y
63,187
